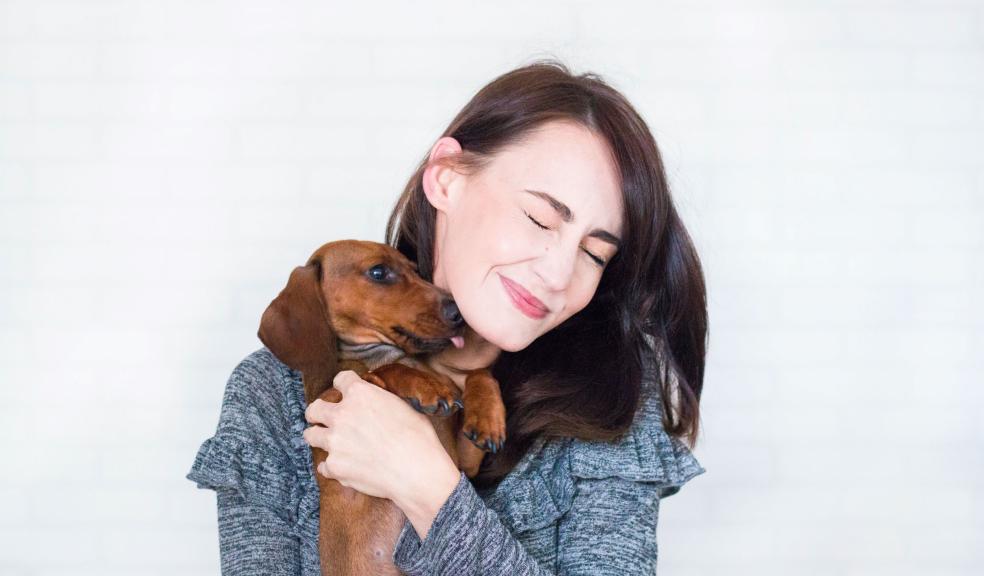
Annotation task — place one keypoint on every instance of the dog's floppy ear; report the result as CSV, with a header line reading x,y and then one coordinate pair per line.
x,y
296,328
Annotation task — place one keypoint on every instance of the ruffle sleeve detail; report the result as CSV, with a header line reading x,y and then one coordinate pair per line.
x,y
224,462
541,487
645,453
257,448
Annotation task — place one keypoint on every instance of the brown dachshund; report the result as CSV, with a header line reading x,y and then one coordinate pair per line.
x,y
361,306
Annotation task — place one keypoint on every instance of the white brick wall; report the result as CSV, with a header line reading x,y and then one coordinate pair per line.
x,y
164,165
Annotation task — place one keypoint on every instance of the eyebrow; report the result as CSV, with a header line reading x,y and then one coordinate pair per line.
x,y
568,216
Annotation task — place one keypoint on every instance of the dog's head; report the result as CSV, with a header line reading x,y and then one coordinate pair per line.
x,y
358,292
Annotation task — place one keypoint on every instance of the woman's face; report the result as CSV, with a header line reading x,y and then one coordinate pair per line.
x,y
492,256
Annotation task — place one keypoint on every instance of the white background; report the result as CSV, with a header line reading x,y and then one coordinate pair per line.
x,y
165,165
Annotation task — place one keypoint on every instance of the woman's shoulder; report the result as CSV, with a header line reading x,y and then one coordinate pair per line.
x,y
261,376
646,452
541,487
263,398
260,424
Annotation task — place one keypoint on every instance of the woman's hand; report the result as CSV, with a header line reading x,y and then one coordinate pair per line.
x,y
377,443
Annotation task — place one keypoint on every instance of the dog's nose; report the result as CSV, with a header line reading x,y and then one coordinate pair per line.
x,y
451,313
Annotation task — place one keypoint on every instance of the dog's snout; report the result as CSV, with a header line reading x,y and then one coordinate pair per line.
x,y
451,313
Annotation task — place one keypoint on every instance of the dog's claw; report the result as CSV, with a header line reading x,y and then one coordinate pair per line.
x,y
415,403
458,403
444,406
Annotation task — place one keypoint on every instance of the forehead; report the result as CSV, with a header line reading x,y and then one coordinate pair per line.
x,y
568,161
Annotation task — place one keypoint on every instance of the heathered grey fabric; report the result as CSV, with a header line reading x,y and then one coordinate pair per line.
x,y
568,507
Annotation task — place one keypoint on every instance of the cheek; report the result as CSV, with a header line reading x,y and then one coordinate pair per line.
x,y
506,247
470,250
579,296
490,234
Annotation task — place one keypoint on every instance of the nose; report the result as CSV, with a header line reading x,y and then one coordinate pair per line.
x,y
556,267
451,313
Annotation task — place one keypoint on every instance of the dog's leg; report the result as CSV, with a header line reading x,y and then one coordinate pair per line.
x,y
469,456
485,414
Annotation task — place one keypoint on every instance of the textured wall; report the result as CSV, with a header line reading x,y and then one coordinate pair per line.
x,y
164,165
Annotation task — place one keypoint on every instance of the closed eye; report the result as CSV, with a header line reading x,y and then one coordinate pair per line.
x,y
596,259
535,222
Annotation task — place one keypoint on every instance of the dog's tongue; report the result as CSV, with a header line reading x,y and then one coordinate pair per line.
x,y
458,341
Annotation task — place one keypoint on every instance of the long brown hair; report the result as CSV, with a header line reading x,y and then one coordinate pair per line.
x,y
584,378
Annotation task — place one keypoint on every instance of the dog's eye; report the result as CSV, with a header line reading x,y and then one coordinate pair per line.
x,y
381,273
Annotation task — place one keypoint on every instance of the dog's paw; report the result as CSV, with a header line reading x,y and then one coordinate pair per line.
x,y
486,444
425,392
436,400
487,430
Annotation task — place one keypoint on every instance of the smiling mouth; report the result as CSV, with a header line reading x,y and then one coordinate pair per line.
x,y
537,308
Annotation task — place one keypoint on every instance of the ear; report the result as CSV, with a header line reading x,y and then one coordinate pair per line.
x,y
296,328
439,175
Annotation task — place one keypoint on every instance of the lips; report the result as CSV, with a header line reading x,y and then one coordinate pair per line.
x,y
529,303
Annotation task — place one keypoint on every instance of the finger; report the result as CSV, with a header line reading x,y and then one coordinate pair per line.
x,y
319,412
328,470
344,379
318,436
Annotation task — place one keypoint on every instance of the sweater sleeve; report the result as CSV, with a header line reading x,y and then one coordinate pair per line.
x,y
253,540
247,464
611,528
597,535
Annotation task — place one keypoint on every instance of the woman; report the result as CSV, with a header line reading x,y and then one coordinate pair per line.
x,y
544,210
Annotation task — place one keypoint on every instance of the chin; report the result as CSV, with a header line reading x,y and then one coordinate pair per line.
x,y
514,346
497,336
510,342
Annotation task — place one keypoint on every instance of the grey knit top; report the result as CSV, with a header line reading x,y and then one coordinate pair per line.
x,y
568,507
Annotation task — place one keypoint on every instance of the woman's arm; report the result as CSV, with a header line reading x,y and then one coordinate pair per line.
x,y
253,541
248,465
610,529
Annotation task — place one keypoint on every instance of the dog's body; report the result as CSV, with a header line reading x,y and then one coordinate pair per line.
x,y
361,306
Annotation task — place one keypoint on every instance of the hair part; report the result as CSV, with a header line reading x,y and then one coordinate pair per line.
x,y
645,329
